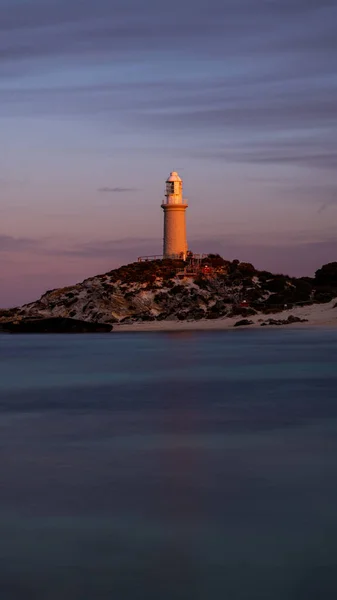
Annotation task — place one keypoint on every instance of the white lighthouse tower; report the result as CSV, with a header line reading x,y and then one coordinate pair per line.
x,y
174,206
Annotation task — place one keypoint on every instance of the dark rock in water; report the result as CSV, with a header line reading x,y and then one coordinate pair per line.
x,y
55,325
243,322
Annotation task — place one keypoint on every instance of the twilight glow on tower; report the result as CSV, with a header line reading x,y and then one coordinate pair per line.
x,y
174,206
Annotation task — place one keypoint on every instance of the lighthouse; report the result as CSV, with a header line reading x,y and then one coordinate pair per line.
x,y
174,206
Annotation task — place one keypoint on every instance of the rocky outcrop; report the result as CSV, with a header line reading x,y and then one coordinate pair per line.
x,y
168,289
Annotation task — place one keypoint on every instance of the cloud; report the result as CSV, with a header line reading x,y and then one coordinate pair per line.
x,y
6,183
116,190
81,27
322,208
292,256
276,152
39,35
128,247
302,251
234,81
13,244
125,248
266,121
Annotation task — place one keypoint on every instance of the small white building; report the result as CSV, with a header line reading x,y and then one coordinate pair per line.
x,y
174,206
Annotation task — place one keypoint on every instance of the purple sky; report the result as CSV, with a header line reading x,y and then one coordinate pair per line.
x,y
100,100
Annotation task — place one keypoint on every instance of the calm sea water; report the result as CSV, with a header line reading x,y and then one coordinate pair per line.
x,y
169,466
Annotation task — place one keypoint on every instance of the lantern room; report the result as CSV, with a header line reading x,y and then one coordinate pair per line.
x,y
174,189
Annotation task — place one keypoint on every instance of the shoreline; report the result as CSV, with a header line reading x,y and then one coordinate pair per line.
x,y
317,315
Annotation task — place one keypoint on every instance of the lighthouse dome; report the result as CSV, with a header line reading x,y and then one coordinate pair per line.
x,y
173,177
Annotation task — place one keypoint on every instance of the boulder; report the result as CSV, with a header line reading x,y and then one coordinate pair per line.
x,y
243,322
291,319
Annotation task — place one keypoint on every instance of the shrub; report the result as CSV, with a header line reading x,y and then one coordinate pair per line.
x,y
303,290
240,311
253,294
215,261
324,296
247,269
278,300
177,289
167,275
160,297
274,309
264,275
246,282
327,275
202,282
233,266
276,285
217,310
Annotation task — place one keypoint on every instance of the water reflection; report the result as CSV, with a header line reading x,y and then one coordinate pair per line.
x,y
173,484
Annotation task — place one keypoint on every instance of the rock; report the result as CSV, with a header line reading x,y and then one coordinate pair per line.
x,y
243,322
293,319
55,325
272,322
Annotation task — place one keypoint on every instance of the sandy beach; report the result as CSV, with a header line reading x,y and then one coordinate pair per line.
x,y
317,315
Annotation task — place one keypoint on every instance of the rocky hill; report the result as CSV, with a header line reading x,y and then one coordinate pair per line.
x,y
171,290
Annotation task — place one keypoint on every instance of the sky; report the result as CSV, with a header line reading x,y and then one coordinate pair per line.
x,y
100,100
